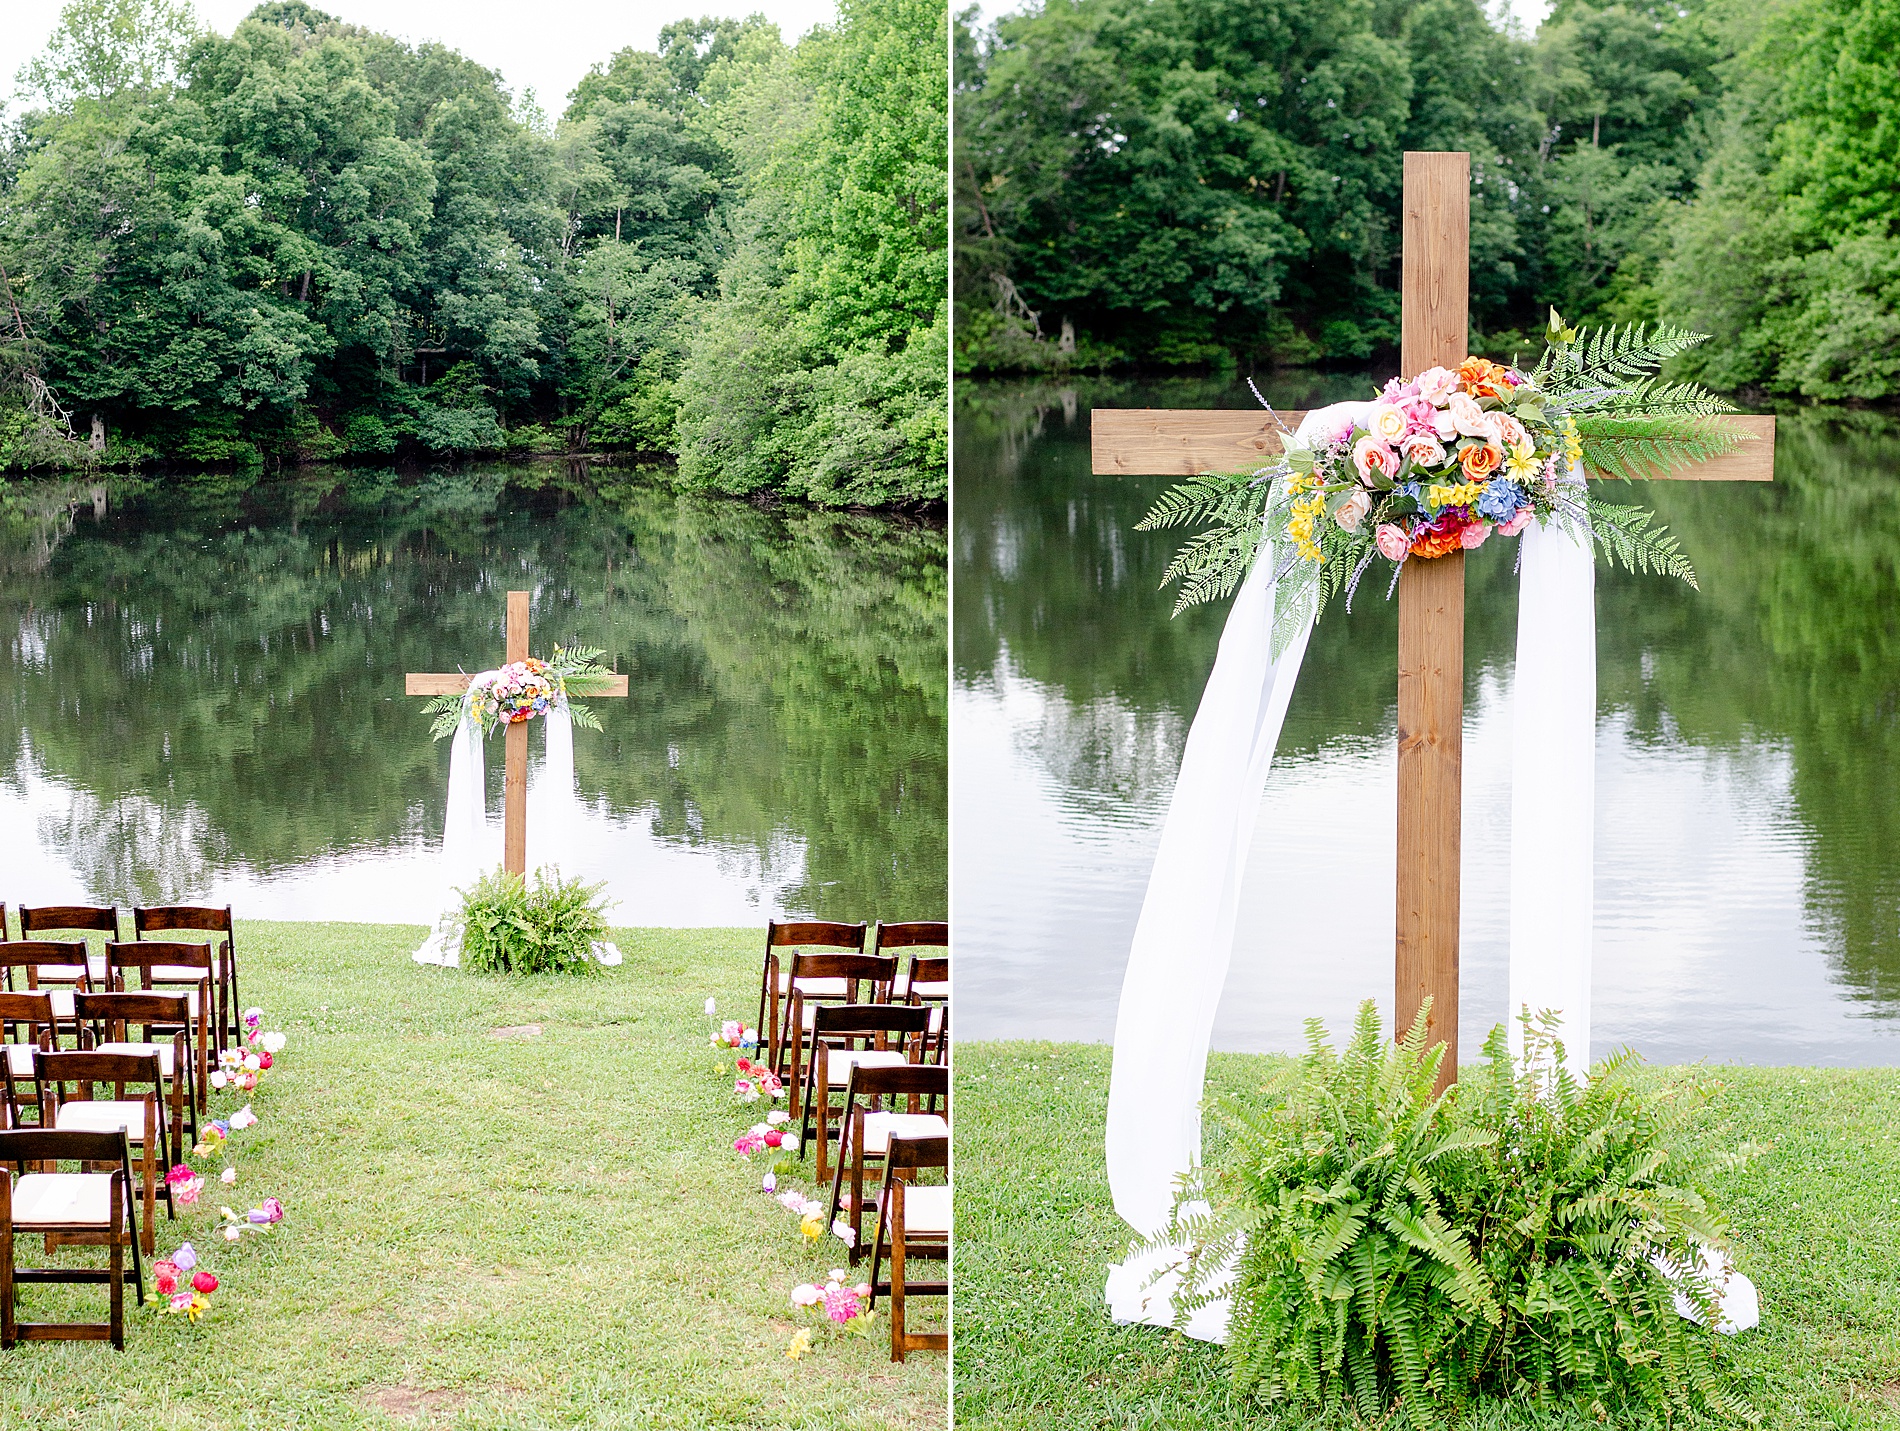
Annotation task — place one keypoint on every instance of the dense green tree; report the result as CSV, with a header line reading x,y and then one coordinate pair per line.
x,y
309,239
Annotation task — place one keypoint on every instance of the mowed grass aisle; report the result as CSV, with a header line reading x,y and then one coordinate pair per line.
x,y
486,1226
1818,1221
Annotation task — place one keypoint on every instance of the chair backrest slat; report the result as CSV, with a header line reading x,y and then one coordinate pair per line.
x,y
909,934
147,954
815,932
172,917
84,1066
876,969
103,918
63,1145
123,1009
912,1080
830,1021
914,1154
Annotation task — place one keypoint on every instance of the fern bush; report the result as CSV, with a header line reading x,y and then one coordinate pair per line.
x,y
551,927
1391,1250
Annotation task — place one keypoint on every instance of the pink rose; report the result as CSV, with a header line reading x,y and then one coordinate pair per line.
x,y
1370,455
1519,520
1435,385
1397,390
1467,417
1388,423
1353,510
1474,535
164,1278
1391,541
205,1282
1511,433
1425,450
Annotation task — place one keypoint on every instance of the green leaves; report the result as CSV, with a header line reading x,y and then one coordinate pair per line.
x,y
1400,1253
1630,535
508,927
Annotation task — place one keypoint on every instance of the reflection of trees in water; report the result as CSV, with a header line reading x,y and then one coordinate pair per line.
x,y
1794,637
238,651
35,517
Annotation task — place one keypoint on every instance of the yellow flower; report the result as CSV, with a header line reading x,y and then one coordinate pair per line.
x,y
812,1227
1523,464
801,1343
1454,494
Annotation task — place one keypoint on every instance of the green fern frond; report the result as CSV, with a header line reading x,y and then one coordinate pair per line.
x,y
1629,535
1647,446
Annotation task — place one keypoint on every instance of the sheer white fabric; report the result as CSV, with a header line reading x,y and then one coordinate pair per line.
x,y
1553,786
1185,936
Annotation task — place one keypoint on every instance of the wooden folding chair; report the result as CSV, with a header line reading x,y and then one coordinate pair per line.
x,y
203,918
85,1209
775,981
845,1037
154,964
913,1222
911,1101
27,1025
106,1025
51,966
48,919
137,1118
819,979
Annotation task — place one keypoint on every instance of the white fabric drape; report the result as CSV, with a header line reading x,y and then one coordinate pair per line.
x,y
1553,786
1185,936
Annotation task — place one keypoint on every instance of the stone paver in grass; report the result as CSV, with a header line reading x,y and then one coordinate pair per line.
x,y
1818,1220
487,1226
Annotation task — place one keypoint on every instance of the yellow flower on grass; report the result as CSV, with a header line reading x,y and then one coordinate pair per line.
x,y
801,1343
812,1227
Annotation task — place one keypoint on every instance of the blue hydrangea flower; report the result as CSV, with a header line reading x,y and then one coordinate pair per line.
x,y
1500,500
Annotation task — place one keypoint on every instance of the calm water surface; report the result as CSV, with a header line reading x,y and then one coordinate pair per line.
x,y
205,678
1748,755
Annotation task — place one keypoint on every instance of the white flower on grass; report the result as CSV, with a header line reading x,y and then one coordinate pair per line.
x,y
274,1043
219,1078
712,1008
243,1118
228,1176
790,1145
778,1115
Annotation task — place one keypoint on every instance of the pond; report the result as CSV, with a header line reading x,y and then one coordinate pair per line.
x,y
1748,754
205,683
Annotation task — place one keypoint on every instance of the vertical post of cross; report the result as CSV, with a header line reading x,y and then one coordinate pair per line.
x,y
1434,287
515,776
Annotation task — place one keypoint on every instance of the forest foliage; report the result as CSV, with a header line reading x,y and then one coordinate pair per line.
x,y
1178,182
308,240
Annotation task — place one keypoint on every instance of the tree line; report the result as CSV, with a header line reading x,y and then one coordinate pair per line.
x,y
1176,182
307,240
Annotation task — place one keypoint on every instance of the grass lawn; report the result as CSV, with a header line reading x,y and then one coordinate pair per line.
x,y
486,1226
1818,1219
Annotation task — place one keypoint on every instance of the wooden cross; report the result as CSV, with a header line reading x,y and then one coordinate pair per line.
x,y
515,778
1435,273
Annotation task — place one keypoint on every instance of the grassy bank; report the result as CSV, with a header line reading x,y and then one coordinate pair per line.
x,y
509,1204
1818,1222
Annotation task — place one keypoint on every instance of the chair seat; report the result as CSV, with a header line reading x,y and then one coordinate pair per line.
x,y
816,988
923,989
191,979
102,1116
167,1055
879,1128
61,973
926,1212
62,1002
20,1059
839,1062
62,1200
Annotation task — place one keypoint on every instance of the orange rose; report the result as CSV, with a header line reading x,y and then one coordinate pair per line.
x,y
1429,543
1480,460
1481,377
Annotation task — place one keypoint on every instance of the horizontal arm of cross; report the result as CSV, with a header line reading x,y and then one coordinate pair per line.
x,y
449,683
1167,442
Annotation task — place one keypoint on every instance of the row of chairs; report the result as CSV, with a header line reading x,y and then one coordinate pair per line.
x,y
841,1014
105,1063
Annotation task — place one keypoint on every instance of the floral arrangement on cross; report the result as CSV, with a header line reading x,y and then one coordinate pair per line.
x,y
522,690
1449,458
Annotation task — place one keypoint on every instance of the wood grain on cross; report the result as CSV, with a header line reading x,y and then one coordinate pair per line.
x,y
515,776
1434,287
